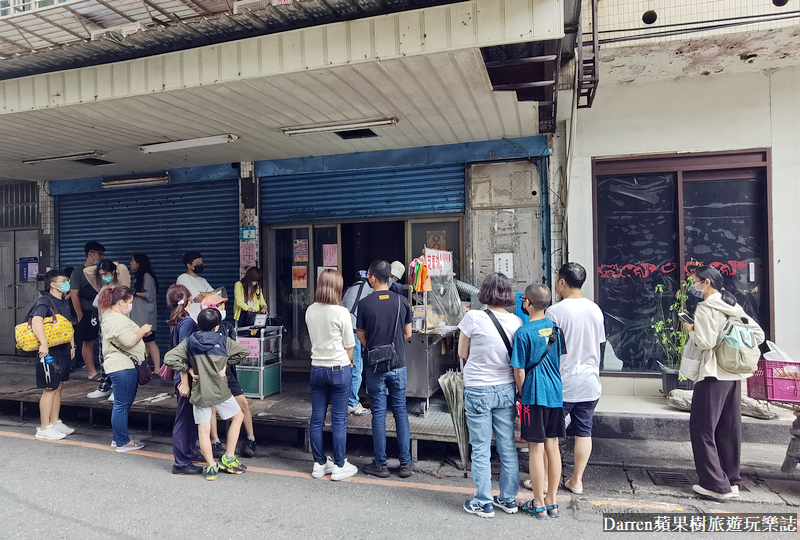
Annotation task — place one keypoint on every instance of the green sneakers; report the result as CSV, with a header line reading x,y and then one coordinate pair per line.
x,y
232,465
212,472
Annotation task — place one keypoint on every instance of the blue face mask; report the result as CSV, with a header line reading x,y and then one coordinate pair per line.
x,y
107,279
64,287
222,314
697,293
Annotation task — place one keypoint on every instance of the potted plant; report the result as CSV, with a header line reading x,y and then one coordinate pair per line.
x,y
671,337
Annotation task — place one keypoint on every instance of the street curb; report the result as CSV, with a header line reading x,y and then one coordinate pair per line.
x,y
635,426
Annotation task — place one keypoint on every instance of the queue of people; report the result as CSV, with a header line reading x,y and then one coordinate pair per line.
x,y
549,364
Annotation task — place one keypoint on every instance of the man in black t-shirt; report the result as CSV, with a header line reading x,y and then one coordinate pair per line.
x,y
82,296
385,318
52,363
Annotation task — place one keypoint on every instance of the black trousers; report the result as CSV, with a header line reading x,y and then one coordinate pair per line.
x,y
715,427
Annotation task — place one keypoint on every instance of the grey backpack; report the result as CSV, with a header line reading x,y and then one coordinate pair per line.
x,y
737,350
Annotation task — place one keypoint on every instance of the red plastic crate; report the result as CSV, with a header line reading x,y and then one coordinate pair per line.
x,y
775,381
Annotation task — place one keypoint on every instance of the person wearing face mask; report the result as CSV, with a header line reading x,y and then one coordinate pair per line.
x,y
82,295
715,421
198,286
122,338
53,363
227,329
248,299
101,276
584,334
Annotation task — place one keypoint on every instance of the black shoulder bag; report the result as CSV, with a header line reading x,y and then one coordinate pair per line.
x,y
143,373
381,359
550,340
500,330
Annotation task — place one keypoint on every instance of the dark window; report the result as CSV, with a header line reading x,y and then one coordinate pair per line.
x,y
653,228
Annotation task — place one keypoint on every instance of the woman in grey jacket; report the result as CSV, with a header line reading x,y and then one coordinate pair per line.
x,y
145,289
715,423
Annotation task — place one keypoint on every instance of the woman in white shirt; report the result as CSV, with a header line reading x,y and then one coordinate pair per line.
x,y
332,343
489,393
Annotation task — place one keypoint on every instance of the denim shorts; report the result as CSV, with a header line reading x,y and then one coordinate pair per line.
x,y
581,414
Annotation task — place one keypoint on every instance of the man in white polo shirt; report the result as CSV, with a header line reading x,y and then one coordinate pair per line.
x,y
584,332
198,286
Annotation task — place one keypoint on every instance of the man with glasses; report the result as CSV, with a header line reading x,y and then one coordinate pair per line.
x,y
382,326
82,295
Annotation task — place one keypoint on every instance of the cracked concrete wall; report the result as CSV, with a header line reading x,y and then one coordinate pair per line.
x,y
505,218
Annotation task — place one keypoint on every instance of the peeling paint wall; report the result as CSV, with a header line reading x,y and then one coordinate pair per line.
x,y
505,218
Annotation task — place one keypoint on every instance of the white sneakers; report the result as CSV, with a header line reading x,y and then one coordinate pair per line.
x,y
337,473
358,410
700,490
131,446
50,433
321,470
346,471
54,432
63,428
97,394
111,397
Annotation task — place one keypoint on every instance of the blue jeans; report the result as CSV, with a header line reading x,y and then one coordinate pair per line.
x,y
358,368
329,386
492,409
124,384
396,382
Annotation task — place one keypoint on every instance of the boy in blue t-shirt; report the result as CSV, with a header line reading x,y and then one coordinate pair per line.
x,y
537,350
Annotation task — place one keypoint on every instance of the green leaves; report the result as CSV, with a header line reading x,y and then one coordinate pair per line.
x,y
669,333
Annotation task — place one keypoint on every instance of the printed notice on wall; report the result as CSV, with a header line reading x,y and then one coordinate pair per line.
x,y
247,254
330,254
299,277
301,250
504,263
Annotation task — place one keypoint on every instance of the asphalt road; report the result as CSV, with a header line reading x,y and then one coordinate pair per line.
x,y
78,488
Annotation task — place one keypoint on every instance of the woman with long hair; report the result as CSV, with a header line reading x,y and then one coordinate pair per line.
x,y
248,299
715,421
106,275
122,339
184,430
489,394
145,289
332,342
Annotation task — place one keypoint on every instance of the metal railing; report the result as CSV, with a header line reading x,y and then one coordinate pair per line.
x,y
10,8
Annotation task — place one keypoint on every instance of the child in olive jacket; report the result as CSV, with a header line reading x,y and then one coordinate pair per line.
x,y
204,356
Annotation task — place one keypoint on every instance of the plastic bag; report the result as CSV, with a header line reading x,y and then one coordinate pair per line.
x,y
690,362
776,354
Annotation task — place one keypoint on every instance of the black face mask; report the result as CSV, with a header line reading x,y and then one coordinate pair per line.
x,y
198,269
525,311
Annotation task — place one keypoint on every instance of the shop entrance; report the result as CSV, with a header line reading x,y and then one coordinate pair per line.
x,y
297,253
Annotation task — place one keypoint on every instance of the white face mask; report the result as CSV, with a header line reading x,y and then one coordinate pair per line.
x,y
222,314
255,283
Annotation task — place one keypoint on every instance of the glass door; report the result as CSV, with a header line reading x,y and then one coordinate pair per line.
x,y
292,289
327,249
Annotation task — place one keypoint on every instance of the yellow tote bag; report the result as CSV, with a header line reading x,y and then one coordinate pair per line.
x,y
57,330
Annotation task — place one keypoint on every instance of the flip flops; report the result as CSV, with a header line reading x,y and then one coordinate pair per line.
x,y
96,378
530,509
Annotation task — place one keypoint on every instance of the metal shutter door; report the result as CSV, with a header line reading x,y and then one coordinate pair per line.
x,y
162,222
363,194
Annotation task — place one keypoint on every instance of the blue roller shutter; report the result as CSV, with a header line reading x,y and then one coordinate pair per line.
x,y
162,222
363,194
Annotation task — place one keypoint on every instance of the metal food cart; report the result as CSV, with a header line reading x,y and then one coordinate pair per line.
x,y
260,374
433,346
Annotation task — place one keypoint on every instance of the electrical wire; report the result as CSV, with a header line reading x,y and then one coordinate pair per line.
x,y
670,33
